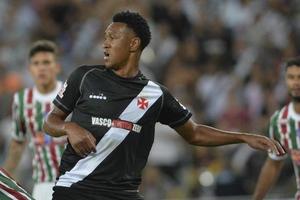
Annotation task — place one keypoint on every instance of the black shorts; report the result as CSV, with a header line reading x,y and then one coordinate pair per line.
x,y
64,193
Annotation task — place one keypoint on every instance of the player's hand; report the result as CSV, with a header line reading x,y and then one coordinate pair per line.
x,y
82,141
264,143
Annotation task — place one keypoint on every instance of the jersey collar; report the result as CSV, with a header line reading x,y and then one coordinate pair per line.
x,y
49,96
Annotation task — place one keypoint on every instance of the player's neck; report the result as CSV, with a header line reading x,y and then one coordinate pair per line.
x,y
297,107
127,72
130,69
45,89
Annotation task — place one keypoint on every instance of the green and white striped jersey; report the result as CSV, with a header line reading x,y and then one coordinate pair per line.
x,y
285,128
10,189
29,110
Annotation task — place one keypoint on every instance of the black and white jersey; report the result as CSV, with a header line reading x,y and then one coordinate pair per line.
x,y
121,114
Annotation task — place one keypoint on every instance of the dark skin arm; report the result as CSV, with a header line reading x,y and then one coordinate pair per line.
x,y
15,152
268,176
201,135
82,141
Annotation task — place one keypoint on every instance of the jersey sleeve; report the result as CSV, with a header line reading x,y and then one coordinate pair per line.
x,y
273,134
172,112
18,119
70,92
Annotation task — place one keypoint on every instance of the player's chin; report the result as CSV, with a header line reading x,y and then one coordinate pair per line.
x,y
111,66
107,64
43,82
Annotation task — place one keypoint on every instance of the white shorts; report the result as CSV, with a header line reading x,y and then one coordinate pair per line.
x,y
43,191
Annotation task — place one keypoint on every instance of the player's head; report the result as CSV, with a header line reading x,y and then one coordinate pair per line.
x,y
127,35
292,77
43,63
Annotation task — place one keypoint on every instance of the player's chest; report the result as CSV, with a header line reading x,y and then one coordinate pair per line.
x,y
34,115
111,99
36,111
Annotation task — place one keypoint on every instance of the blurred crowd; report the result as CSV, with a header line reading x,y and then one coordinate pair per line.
x,y
223,59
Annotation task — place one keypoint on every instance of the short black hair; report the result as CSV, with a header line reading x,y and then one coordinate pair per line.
x,y
292,62
137,23
43,46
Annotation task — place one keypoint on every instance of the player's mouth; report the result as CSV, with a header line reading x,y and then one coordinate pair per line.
x,y
106,55
42,76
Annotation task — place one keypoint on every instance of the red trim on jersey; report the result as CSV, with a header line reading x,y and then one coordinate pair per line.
x,y
39,156
12,192
285,112
54,157
297,131
29,109
48,107
52,144
31,126
122,124
283,126
30,96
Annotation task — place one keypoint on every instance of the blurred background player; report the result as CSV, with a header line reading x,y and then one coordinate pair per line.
x,y
284,127
10,189
30,106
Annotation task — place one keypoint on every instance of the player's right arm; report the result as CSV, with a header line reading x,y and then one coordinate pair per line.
x,y
19,132
81,140
272,166
15,151
267,178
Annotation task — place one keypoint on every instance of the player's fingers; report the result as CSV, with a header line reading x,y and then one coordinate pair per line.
x,y
279,147
79,150
84,147
92,140
89,146
271,144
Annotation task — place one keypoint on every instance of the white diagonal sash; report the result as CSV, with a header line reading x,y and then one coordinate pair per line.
x,y
112,138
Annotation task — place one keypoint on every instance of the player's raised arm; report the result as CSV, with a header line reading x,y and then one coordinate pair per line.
x,y
202,135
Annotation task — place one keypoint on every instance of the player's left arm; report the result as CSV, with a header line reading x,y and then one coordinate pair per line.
x,y
202,135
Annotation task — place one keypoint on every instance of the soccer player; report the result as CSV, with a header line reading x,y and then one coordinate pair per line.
x,y
284,127
115,109
30,106
10,189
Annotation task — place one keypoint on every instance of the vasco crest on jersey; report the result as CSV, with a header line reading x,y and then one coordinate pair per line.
x,y
142,103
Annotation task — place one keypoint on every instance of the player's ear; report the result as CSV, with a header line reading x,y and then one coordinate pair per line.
x,y
135,44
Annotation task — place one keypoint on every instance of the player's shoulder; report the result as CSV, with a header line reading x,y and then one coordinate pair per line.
x,y
81,71
165,90
157,84
22,95
280,112
23,91
86,68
